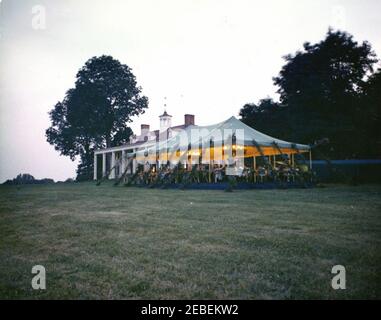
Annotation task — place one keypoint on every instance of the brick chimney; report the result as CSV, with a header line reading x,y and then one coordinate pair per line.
x,y
188,120
144,130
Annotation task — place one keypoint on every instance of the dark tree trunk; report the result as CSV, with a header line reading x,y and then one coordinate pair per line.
x,y
108,141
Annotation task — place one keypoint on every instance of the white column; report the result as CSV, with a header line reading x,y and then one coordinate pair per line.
x,y
134,164
123,165
310,159
130,164
103,164
95,166
112,169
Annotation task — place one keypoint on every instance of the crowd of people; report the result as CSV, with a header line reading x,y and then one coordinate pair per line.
x,y
283,173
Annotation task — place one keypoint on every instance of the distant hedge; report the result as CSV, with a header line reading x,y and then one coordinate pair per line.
x,y
348,171
27,178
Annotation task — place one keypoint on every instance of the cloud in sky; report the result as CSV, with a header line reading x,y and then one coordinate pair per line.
x,y
208,57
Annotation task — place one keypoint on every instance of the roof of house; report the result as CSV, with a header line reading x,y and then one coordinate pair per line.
x,y
216,132
142,142
249,136
165,114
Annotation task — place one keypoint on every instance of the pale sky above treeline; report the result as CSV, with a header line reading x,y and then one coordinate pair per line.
x,y
208,57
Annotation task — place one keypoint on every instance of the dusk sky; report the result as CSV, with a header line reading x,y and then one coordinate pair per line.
x,y
208,57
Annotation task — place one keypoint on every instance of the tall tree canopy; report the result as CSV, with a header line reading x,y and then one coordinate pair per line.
x,y
96,112
321,92
369,115
264,113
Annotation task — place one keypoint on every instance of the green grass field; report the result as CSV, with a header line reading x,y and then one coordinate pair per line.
x,y
119,243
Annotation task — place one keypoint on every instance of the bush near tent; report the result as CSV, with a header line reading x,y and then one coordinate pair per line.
x,y
348,171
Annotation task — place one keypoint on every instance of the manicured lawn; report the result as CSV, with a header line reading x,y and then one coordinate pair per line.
x,y
115,242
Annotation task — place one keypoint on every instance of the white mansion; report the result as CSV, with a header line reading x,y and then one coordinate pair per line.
x,y
113,161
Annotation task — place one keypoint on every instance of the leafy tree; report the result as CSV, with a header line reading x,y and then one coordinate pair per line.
x,y
96,112
369,115
330,71
267,116
320,90
26,178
